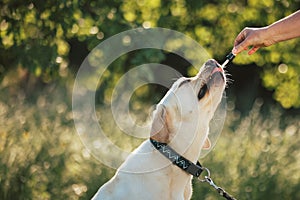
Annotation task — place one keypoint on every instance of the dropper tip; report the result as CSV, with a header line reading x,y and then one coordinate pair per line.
x,y
224,63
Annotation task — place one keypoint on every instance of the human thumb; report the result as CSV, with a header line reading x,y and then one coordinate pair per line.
x,y
239,48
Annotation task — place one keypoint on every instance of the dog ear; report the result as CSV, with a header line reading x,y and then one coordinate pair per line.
x,y
159,129
207,144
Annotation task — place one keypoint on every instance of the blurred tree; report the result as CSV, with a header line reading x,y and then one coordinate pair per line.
x,y
42,158
47,37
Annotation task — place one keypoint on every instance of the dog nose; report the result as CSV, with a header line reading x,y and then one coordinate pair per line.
x,y
213,62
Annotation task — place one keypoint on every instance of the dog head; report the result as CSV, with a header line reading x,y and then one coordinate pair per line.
x,y
189,105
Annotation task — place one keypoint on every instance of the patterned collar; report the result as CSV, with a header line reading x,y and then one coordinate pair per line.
x,y
177,159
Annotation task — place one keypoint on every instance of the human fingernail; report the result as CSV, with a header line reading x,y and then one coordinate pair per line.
x,y
234,50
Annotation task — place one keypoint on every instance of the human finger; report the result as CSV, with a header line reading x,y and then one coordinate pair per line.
x,y
253,50
240,37
240,47
240,42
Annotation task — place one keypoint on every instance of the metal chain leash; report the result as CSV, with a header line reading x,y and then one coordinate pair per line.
x,y
220,190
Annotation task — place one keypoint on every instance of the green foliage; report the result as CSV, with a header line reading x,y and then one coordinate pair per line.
x,y
41,156
258,158
42,36
42,44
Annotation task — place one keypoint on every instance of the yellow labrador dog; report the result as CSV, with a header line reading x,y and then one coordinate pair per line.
x,y
181,120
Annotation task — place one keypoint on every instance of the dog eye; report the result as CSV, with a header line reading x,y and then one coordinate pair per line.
x,y
202,92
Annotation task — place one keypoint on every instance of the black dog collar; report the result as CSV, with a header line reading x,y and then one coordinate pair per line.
x,y
177,159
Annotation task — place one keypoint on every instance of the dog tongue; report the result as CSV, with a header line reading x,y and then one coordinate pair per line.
x,y
217,69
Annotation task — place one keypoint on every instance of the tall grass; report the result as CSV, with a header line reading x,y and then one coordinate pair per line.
x,y
42,157
257,156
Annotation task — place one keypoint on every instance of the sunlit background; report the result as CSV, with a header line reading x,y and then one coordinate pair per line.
x,y
43,43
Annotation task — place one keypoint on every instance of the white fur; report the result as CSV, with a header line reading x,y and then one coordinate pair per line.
x,y
183,122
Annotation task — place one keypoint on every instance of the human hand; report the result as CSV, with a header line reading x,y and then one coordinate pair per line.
x,y
252,37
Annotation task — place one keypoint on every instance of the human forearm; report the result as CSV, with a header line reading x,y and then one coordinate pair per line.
x,y
286,28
